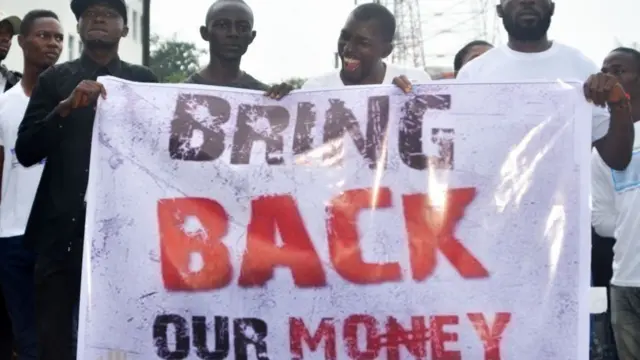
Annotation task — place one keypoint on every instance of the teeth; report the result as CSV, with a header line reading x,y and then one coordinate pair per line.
x,y
351,61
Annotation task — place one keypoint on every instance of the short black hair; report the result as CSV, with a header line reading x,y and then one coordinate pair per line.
x,y
217,3
457,60
32,16
379,13
630,51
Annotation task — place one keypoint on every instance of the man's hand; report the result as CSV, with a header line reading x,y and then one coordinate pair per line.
x,y
403,83
85,94
603,89
277,92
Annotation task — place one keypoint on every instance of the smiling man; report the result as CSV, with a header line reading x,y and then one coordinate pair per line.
x,y
364,42
530,55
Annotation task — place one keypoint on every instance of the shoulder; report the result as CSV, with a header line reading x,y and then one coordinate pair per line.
x,y
479,64
323,81
60,70
578,59
139,73
9,97
249,82
414,75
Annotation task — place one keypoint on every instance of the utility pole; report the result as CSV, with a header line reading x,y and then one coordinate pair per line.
x,y
146,32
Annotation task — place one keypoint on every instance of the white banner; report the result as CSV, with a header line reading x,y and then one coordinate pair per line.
x,y
361,223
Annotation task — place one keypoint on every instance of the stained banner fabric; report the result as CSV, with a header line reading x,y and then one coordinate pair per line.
x,y
357,223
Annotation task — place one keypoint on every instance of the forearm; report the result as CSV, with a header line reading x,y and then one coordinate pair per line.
x,y
617,146
37,138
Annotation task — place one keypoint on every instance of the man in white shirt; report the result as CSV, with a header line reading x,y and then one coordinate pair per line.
x,y
365,40
530,55
616,213
41,39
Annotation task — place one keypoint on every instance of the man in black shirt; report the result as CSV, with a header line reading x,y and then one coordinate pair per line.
x,y
229,31
57,126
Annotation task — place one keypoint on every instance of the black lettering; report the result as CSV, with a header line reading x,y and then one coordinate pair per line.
x,y
259,123
411,122
196,132
221,334
160,337
250,332
305,121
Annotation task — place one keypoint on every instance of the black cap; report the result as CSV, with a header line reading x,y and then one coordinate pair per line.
x,y
79,6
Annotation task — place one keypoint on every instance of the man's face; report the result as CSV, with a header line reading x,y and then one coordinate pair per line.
x,y
6,33
101,25
526,20
360,48
43,44
626,69
229,30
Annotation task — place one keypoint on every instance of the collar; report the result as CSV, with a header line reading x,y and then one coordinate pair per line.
x,y
112,68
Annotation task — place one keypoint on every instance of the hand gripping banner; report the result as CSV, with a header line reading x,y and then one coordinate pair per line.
x,y
359,223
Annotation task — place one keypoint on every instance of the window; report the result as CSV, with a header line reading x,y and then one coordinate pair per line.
x,y
71,47
134,25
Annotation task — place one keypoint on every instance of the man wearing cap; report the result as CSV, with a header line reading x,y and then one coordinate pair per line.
x,y
57,126
9,26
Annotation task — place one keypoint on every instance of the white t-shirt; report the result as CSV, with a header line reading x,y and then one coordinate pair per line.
x,y
560,62
615,198
19,184
332,80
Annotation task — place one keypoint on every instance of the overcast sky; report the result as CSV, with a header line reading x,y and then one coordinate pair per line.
x,y
298,37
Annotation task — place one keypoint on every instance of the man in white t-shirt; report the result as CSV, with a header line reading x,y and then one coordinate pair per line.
x,y
41,39
530,55
616,213
365,40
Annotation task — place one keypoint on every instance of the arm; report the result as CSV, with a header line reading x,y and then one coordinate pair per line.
x,y
603,210
616,146
41,128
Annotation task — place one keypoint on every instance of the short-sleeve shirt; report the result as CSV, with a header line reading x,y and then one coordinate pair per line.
x,y
244,81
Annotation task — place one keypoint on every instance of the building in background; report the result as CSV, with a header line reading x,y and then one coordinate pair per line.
x,y
130,47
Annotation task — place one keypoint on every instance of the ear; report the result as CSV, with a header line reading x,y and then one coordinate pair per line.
x,y
386,50
204,33
499,11
21,41
253,36
125,31
552,8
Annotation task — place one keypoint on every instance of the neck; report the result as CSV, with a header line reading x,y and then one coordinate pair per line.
x,y
222,71
530,46
101,56
376,77
30,77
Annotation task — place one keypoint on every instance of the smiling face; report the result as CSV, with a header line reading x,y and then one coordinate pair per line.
x,y
526,20
43,43
360,48
229,30
101,25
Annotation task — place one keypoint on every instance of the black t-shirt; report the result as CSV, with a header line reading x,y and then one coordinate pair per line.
x,y
244,81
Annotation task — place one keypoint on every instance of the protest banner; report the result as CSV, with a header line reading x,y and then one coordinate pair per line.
x,y
360,223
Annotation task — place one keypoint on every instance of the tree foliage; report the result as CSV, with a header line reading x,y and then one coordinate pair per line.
x,y
173,60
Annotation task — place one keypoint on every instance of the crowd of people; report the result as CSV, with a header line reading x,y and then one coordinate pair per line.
x,y
47,113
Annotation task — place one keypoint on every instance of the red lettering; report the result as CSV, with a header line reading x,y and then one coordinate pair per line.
x,y
262,254
190,227
490,337
430,229
439,337
343,237
350,333
298,333
415,340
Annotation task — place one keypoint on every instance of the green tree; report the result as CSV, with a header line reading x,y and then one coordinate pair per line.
x,y
173,60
